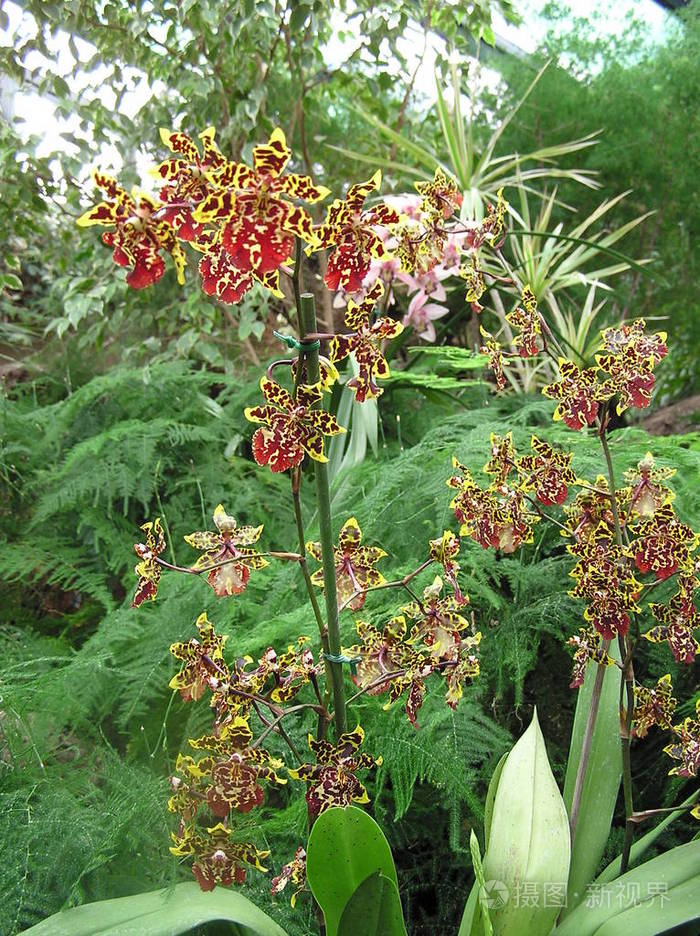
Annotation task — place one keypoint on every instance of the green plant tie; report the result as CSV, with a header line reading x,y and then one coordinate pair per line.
x,y
293,342
342,658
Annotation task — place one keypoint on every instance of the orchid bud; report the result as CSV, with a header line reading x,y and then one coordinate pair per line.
x,y
529,847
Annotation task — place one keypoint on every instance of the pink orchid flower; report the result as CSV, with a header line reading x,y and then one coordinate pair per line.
x,y
428,284
421,315
409,205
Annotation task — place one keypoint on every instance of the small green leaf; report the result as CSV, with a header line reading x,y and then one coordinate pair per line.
x,y
345,847
300,14
60,87
373,910
245,324
490,797
487,34
10,281
77,307
161,913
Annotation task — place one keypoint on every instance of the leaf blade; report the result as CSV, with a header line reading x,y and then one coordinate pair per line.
x,y
160,913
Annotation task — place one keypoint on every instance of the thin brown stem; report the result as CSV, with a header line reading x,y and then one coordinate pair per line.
x,y
260,715
651,813
586,744
633,501
415,598
192,570
626,719
399,583
275,725
545,516
603,435
590,487
386,677
322,726
375,684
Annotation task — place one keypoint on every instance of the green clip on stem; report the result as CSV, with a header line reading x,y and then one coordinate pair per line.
x,y
342,658
297,345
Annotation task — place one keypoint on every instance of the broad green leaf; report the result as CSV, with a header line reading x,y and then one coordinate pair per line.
x,y
529,839
459,164
299,16
345,847
602,781
487,34
672,880
373,910
60,87
10,281
472,913
472,910
161,913
662,914
490,797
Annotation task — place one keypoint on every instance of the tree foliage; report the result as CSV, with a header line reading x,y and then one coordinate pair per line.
x,y
643,98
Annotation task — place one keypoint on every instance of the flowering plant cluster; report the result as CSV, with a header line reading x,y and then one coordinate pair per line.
x,y
252,225
626,539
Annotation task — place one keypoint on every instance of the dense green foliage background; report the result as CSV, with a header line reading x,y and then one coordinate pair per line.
x,y
119,406
644,100
89,732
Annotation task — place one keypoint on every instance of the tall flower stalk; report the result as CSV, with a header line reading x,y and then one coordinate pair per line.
x,y
307,326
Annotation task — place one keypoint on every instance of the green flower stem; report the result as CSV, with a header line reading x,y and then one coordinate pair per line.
x,y
296,500
322,629
304,567
296,284
627,678
307,324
